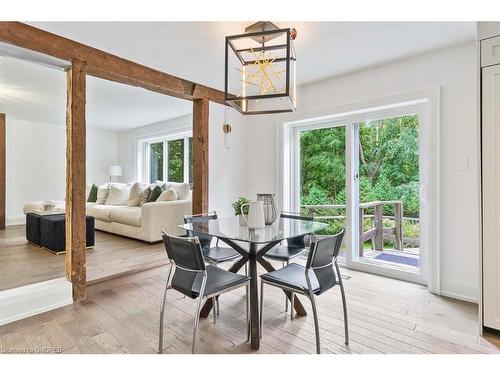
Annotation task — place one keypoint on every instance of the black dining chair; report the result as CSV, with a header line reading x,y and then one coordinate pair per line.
x,y
213,255
294,246
195,280
311,280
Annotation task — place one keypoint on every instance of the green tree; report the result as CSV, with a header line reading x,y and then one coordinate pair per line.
x,y
176,160
388,170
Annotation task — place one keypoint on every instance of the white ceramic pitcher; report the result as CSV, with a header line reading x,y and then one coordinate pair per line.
x,y
256,219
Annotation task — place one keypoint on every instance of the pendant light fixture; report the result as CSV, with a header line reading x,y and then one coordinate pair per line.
x,y
260,69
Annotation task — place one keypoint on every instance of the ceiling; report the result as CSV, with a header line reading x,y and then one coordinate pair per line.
x,y
33,92
195,51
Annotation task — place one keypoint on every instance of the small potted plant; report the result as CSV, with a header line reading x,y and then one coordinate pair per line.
x,y
237,209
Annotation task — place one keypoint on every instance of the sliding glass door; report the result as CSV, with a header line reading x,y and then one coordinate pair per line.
x,y
322,170
363,172
387,201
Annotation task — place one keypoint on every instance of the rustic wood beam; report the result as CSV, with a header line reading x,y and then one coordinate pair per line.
x,y
200,155
104,65
2,169
75,179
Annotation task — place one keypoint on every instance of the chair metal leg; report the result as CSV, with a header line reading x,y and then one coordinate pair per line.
x,y
261,306
344,304
217,303
286,297
316,323
315,311
197,313
214,309
246,269
292,298
162,314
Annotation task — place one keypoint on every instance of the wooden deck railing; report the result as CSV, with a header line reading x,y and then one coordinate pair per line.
x,y
377,233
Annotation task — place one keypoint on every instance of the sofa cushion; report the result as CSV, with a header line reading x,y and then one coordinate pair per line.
x,y
182,189
102,193
134,196
144,196
168,195
92,196
100,212
155,193
118,195
126,215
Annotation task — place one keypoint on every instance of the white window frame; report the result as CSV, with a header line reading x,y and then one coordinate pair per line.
x,y
143,154
425,103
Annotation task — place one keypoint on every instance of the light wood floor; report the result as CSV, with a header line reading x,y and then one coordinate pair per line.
x,y
386,316
22,263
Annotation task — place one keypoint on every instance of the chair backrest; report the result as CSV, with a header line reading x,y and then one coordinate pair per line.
x,y
205,239
185,252
321,256
187,255
296,242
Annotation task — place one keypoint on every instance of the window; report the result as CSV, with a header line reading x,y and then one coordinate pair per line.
x,y
167,158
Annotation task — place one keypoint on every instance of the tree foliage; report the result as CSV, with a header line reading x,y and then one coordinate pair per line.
x,y
176,160
388,163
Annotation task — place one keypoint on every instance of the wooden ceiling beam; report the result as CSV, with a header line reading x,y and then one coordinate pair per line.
x,y
105,65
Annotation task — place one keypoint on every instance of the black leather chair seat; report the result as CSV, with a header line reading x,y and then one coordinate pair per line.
x,y
219,254
283,253
293,276
217,280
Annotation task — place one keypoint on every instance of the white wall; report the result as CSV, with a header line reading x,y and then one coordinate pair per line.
x,y
227,174
454,71
36,163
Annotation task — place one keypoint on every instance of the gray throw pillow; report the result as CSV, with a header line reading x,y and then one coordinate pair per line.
x,y
93,194
144,196
155,193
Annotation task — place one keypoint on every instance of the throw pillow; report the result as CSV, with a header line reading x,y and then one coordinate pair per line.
x,y
144,196
134,196
118,196
182,189
92,194
168,195
102,193
155,193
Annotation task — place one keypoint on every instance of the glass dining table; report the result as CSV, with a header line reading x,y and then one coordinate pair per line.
x,y
258,242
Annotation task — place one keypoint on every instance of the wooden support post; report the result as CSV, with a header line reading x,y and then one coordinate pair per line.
x,y
377,221
398,224
361,231
200,155
75,179
2,169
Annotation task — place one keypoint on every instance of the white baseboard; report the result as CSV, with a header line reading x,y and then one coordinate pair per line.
x,y
15,220
461,297
33,299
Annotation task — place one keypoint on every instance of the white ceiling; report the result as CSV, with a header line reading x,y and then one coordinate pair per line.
x,y
33,92
195,51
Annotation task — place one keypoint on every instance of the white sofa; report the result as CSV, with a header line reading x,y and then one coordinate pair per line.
x,y
143,223
140,222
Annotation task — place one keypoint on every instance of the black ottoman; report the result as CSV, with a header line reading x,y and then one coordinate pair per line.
x,y
33,228
53,232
